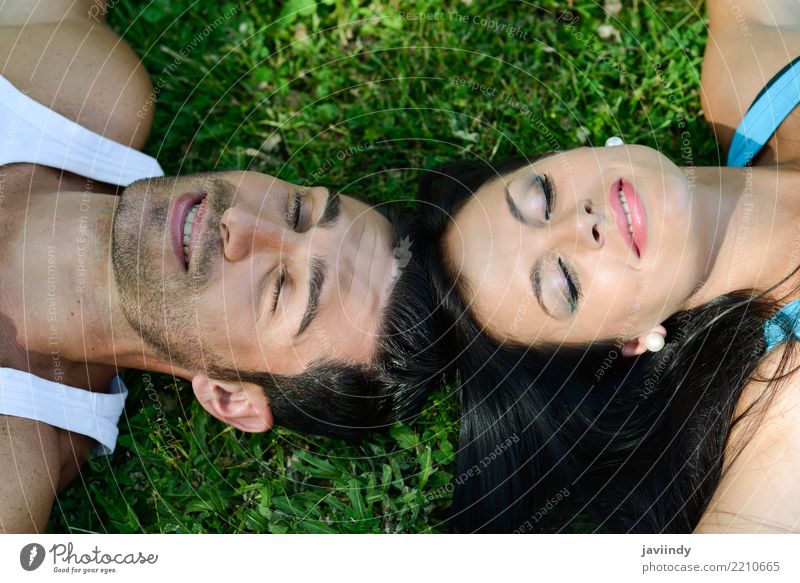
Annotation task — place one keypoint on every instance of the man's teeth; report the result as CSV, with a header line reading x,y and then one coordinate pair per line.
x,y
187,231
627,210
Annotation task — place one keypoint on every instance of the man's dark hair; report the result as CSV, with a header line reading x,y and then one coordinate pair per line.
x,y
346,400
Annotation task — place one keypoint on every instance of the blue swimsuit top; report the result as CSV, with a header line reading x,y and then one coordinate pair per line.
x,y
770,107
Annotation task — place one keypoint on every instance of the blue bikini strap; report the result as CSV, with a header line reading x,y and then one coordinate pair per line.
x,y
773,105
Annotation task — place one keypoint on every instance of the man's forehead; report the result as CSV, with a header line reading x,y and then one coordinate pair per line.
x,y
361,209
360,279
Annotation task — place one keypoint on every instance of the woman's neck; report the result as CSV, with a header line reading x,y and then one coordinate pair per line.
x,y
752,219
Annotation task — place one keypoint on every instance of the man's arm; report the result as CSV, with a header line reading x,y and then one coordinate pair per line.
x,y
29,456
65,58
19,12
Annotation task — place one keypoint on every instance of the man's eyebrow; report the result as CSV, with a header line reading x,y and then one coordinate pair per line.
x,y
331,212
536,282
316,280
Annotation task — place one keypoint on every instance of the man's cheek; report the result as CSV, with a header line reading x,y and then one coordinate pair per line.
x,y
225,322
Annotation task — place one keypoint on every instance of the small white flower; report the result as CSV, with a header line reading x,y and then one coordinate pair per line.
x,y
607,32
613,7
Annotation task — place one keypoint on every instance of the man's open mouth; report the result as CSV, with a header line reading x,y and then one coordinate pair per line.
x,y
187,232
187,221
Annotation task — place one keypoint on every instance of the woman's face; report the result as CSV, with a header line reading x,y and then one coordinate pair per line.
x,y
545,253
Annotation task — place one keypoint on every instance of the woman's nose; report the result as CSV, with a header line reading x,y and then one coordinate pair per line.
x,y
244,232
591,225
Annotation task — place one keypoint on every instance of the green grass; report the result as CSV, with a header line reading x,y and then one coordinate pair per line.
x,y
373,93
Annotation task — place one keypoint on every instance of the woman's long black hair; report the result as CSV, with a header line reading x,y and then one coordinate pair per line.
x,y
564,439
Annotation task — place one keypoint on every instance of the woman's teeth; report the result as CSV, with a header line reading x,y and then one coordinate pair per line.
x,y
627,210
187,231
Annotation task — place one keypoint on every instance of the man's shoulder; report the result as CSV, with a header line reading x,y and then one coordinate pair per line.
x,y
83,71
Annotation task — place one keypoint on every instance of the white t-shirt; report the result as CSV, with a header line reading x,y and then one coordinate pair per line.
x,y
34,134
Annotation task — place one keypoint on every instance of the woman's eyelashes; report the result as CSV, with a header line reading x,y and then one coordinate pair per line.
x,y
573,290
574,293
546,186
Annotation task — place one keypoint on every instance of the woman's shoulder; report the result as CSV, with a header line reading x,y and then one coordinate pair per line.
x,y
760,488
745,50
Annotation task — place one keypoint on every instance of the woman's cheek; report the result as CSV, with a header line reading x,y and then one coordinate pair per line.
x,y
605,286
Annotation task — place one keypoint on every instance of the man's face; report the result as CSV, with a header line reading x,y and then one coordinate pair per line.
x,y
245,271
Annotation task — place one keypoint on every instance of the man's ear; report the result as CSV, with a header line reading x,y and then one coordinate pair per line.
x,y
243,405
638,345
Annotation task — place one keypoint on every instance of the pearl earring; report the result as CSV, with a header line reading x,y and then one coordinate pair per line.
x,y
654,342
614,141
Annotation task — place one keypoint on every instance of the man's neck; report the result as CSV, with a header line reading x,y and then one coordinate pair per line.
x,y
59,310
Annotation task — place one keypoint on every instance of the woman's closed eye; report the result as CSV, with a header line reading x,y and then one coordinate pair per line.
x,y
556,286
546,186
532,200
573,290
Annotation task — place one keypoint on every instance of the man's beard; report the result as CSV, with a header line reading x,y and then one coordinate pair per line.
x,y
163,309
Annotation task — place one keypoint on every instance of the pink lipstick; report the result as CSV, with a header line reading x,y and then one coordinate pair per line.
x,y
629,205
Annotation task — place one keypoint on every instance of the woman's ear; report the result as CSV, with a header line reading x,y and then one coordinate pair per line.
x,y
638,345
242,405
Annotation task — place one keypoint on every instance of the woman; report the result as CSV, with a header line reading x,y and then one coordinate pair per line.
x,y
619,321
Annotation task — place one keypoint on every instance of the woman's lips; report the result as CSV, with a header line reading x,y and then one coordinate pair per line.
x,y
638,215
180,210
637,212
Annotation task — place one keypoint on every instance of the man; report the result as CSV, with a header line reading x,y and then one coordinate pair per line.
x,y
278,303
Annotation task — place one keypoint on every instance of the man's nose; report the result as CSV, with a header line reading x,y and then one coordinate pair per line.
x,y
244,232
